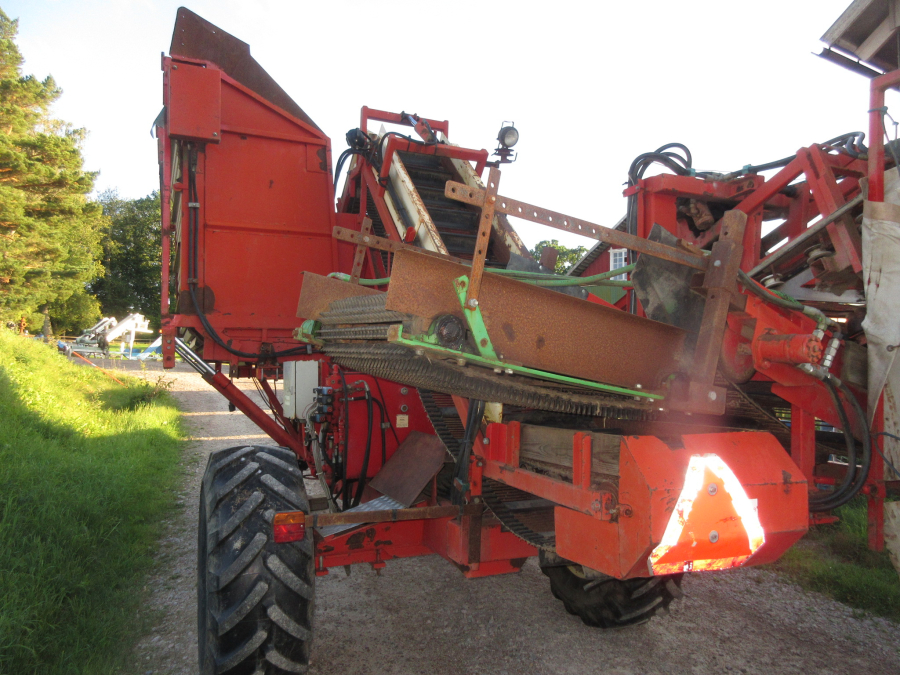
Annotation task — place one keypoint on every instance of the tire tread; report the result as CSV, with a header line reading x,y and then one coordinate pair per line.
x,y
612,603
256,598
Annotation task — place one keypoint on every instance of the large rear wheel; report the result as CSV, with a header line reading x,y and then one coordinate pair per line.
x,y
607,602
255,599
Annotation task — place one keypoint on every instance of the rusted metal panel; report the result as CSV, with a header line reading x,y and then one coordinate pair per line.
x,y
560,221
484,236
318,292
317,520
540,328
361,250
504,233
383,244
410,469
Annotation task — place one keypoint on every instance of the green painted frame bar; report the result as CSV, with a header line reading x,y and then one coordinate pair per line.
x,y
475,320
395,336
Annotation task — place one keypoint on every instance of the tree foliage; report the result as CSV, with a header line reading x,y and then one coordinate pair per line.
x,y
77,312
49,230
567,256
132,257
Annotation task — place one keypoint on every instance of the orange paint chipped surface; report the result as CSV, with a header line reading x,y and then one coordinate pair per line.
x,y
714,524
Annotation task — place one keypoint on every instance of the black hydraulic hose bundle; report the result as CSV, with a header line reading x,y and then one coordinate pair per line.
x,y
679,164
373,152
384,409
823,503
361,484
345,485
345,155
850,144
361,145
854,479
382,417
461,475
371,401
340,462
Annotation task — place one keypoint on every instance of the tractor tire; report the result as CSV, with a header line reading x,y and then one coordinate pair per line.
x,y
609,602
255,598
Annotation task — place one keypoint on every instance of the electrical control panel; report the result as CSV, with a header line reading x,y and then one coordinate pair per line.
x,y
300,380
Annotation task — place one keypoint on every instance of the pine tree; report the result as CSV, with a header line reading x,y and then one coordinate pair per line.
x,y
49,231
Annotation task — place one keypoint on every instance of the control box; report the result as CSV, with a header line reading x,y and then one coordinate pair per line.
x,y
300,379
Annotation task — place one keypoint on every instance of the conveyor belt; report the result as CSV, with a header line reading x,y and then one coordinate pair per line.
x,y
528,517
456,223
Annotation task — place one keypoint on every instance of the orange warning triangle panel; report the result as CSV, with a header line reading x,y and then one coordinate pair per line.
x,y
714,525
713,528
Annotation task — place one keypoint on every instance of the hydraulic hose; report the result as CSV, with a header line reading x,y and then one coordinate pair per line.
x,y
853,479
850,143
382,417
784,301
535,278
848,488
461,475
824,502
384,409
345,155
360,486
345,487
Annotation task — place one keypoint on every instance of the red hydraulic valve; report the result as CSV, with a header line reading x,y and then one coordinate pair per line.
x,y
771,348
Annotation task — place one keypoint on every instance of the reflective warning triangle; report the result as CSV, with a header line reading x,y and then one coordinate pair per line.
x,y
714,524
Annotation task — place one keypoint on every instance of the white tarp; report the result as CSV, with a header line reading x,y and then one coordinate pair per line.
x,y
881,275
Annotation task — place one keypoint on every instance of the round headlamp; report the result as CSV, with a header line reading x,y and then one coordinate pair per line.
x,y
508,137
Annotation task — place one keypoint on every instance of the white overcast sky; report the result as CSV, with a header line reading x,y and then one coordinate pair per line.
x,y
590,85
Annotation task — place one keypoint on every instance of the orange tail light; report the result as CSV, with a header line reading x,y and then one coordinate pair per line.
x,y
289,526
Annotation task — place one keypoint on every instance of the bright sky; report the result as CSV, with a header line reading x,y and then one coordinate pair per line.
x,y
590,85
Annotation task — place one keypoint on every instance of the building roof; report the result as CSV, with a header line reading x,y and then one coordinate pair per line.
x,y
581,266
868,29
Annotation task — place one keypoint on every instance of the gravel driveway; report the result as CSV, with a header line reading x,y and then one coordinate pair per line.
x,y
421,615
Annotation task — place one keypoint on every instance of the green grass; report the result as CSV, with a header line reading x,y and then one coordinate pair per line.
x,y
87,471
835,560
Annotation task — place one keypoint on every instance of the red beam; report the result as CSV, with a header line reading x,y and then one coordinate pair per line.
x,y
876,133
397,118
257,415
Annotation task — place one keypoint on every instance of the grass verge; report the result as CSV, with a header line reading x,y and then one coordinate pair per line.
x,y
87,469
836,560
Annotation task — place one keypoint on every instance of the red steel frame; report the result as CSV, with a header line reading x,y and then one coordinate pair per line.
x,y
831,180
374,186
244,116
240,138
